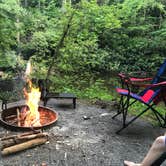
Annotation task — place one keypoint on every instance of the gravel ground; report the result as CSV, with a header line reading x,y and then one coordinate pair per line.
x,y
85,136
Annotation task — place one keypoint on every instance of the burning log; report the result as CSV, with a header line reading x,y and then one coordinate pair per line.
x,y
15,143
18,117
10,117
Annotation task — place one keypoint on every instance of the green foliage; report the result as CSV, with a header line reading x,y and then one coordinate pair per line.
x,y
10,12
104,36
97,91
135,46
8,59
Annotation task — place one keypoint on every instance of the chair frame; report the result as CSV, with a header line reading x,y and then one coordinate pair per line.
x,y
125,103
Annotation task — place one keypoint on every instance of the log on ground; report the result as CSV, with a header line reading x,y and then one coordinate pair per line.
x,y
24,145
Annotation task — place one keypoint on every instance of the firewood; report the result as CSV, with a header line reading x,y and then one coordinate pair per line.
x,y
8,137
20,135
11,122
10,117
7,143
24,145
21,139
28,137
30,132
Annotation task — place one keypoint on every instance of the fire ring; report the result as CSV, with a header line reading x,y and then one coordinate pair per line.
x,y
9,117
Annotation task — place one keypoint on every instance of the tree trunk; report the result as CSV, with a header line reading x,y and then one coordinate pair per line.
x,y
56,51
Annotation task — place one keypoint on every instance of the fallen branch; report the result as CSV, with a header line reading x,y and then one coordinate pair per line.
x,y
56,51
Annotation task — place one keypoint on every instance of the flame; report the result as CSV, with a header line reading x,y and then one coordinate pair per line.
x,y
32,117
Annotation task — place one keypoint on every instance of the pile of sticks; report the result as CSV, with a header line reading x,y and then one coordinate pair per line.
x,y
15,143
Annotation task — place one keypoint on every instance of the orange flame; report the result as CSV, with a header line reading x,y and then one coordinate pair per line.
x,y
32,117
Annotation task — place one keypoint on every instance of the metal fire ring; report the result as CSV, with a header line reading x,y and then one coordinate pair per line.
x,y
13,111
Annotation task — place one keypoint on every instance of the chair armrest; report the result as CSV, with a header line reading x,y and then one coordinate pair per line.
x,y
126,83
160,84
134,79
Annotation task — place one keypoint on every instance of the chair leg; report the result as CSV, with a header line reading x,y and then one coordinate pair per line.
x,y
125,105
159,117
122,105
4,105
74,103
123,109
119,111
157,114
45,101
132,120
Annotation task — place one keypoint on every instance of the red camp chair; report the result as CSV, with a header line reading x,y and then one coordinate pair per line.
x,y
152,94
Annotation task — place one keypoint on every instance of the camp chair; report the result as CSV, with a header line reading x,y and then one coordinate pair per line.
x,y
152,94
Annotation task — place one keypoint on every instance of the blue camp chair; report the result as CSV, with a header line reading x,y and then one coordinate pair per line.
x,y
150,96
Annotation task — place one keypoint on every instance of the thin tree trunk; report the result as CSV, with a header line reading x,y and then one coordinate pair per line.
x,y
56,51
18,36
18,32
39,4
25,3
63,3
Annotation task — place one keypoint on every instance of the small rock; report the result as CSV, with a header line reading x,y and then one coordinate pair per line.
x,y
105,114
86,117
43,164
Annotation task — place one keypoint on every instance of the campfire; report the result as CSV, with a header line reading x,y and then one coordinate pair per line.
x,y
29,115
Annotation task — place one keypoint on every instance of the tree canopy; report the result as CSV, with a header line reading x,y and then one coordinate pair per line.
x,y
103,35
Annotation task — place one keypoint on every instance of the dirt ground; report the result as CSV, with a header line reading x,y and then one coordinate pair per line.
x,y
85,136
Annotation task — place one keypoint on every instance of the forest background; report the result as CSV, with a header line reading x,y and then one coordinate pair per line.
x,y
82,45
